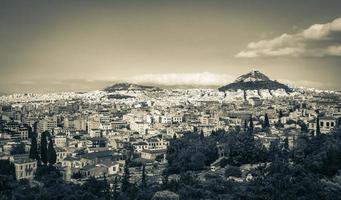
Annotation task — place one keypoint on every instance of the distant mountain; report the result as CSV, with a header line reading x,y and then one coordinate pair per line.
x,y
255,80
130,87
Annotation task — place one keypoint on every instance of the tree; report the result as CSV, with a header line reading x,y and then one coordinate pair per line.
x,y
51,153
251,126
286,143
232,171
43,147
266,123
125,179
274,149
174,136
6,168
106,191
197,161
283,180
96,187
202,136
34,149
143,178
245,125
280,115
165,195
115,192
18,149
318,131
304,128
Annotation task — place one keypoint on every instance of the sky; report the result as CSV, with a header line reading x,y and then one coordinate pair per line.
x,y
80,45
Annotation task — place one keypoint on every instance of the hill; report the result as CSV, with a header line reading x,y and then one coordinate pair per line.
x,y
254,80
130,87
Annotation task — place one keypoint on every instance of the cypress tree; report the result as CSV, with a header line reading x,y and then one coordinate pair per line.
x,y
35,129
125,179
245,125
286,143
51,153
114,189
280,115
43,147
106,191
174,136
143,178
34,149
266,123
318,131
202,136
251,126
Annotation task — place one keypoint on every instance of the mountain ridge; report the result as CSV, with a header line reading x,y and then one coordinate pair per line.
x,y
255,80
130,86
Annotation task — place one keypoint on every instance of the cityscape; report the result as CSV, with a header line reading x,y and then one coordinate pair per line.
x,y
192,131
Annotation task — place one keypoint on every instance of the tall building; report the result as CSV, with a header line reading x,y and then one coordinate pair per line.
x,y
47,124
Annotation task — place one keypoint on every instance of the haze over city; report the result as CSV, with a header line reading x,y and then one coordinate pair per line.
x,y
86,45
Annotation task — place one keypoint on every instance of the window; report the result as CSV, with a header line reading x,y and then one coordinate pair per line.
x,y
321,123
332,124
327,123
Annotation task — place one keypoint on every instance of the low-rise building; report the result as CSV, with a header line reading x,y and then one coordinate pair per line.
x,y
25,168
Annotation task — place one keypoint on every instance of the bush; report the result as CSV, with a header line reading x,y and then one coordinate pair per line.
x,y
232,171
165,195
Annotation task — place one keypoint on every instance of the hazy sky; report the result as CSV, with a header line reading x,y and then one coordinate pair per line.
x,y
86,45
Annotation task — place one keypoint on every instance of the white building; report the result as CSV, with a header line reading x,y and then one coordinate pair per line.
x,y
327,124
25,168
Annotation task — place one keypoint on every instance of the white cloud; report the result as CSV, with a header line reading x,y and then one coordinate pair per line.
x,y
305,83
319,40
203,79
27,82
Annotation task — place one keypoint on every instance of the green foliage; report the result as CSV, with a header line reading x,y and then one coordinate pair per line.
x,y
332,187
143,177
7,168
97,187
318,131
312,171
165,195
18,149
232,171
48,174
34,149
192,152
51,153
323,154
266,123
115,191
282,180
43,147
125,179
243,149
250,130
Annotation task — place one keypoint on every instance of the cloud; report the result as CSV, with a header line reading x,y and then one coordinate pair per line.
x,y
305,83
27,82
319,40
201,79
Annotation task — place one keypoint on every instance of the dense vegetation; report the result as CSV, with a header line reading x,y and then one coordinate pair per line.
x,y
311,170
